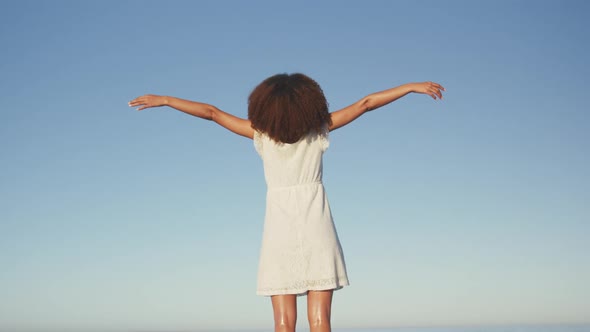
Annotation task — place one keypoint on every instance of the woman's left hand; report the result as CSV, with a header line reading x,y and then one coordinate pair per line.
x,y
147,101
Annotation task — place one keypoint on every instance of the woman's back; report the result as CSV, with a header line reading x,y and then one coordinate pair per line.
x,y
300,248
293,164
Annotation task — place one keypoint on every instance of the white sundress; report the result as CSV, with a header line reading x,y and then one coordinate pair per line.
x,y
300,248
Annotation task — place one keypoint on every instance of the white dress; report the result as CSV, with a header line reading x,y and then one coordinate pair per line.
x,y
300,248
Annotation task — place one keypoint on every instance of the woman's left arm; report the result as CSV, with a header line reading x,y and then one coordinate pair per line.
x,y
204,111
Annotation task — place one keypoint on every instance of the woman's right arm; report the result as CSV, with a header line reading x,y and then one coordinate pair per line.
x,y
373,101
204,111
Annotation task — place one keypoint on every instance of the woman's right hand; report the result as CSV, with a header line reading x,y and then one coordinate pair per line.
x,y
432,89
147,101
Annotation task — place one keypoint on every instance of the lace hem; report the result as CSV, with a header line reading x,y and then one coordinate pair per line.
x,y
302,287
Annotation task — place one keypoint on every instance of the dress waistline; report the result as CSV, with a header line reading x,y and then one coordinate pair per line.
x,y
307,184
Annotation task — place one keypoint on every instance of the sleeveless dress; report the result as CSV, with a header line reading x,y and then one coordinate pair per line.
x,y
300,249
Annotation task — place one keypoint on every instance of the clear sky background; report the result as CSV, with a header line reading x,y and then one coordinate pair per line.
x,y
470,210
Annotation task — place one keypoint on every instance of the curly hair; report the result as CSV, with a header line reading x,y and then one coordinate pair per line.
x,y
288,107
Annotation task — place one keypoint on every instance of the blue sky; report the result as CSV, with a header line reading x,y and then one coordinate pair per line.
x,y
470,210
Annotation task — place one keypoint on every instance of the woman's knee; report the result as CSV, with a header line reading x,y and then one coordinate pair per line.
x,y
285,312
319,307
285,325
319,320
285,321
318,316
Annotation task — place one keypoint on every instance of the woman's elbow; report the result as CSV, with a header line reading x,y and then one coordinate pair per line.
x,y
212,113
367,104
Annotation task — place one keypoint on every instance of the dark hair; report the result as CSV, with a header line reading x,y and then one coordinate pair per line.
x,y
288,107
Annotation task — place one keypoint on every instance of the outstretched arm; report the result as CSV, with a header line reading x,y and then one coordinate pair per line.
x,y
204,111
373,101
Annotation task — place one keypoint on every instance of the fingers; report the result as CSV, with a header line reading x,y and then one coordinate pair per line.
x,y
432,89
435,90
436,85
437,93
139,101
136,101
146,101
434,93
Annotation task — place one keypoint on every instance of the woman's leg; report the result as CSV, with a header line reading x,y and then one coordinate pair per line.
x,y
319,306
285,312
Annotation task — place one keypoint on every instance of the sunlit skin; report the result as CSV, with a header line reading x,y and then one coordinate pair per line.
x,y
243,127
319,303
